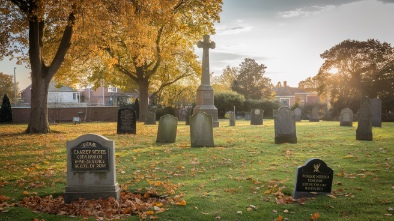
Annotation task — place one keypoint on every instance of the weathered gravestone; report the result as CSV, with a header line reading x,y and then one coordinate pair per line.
x,y
315,117
376,106
150,118
285,126
232,119
166,132
346,118
91,172
126,121
297,114
256,117
201,130
364,115
76,120
314,178
189,113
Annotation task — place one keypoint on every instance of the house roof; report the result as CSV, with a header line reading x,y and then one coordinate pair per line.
x,y
53,88
287,91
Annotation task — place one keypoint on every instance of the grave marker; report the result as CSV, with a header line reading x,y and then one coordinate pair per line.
x,y
256,117
150,118
91,171
364,115
285,126
166,132
315,117
232,119
126,121
201,130
346,118
297,114
376,106
314,178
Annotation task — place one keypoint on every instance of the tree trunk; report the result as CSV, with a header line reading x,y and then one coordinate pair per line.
x,y
38,122
144,98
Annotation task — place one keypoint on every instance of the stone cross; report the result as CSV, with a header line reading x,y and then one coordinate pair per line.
x,y
205,45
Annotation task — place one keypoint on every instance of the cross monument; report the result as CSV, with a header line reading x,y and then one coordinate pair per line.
x,y
205,98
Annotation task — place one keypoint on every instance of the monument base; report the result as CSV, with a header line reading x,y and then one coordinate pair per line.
x,y
286,139
73,193
208,109
363,135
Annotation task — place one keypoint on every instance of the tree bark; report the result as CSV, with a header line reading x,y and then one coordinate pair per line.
x,y
42,75
143,84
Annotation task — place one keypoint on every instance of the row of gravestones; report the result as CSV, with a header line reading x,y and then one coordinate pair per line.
x,y
91,171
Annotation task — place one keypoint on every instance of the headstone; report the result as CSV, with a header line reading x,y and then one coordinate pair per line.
x,y
91,172
76,120
126,121
166,132
297,114
232,119
182,114
285,126
364,115
314,178
247,116
376,106
315,116
256,117
189,113
205,93
201,130
346,118
150,118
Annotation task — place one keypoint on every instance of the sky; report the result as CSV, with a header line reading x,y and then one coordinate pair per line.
x,y
287,36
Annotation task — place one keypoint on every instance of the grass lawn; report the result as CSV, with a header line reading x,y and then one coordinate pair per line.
x,y
244,177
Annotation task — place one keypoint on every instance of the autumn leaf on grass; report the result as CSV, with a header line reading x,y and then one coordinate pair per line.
x,y
280,218
315,216
181,203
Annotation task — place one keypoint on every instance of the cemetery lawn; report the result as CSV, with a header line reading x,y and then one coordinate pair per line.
x,y
244,177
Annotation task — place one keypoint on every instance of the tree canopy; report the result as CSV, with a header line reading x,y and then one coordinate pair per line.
x,y
250,80
7,85
137,39
364,68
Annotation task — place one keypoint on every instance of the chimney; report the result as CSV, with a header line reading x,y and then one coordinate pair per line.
x,y
284,83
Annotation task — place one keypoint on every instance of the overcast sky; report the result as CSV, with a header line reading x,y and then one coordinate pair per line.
x,y
287,36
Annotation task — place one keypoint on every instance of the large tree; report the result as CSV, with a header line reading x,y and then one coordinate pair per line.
x,y
39,32
223,82
251,82
150,43
363,68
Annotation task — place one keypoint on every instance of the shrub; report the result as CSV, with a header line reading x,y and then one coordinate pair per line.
x,y
225,101
6,110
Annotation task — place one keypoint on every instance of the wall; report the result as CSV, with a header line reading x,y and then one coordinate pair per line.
x,y
87,114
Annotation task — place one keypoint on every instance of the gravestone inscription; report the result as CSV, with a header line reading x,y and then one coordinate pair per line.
x,y
346,118
166,132
314,178
256,117
285,126
364,115
376,106
91,172
126,121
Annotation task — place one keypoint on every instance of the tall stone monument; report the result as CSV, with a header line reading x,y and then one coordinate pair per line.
x,y
205,102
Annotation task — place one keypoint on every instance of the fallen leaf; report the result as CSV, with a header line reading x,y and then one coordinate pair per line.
x,y
280,218
315,216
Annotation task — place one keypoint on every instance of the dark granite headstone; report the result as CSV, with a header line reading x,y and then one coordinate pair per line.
x,y
188,114
376,106
314,178
166,132
91,172
126,121
182,114
256,117
285,126
364,114
346,118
